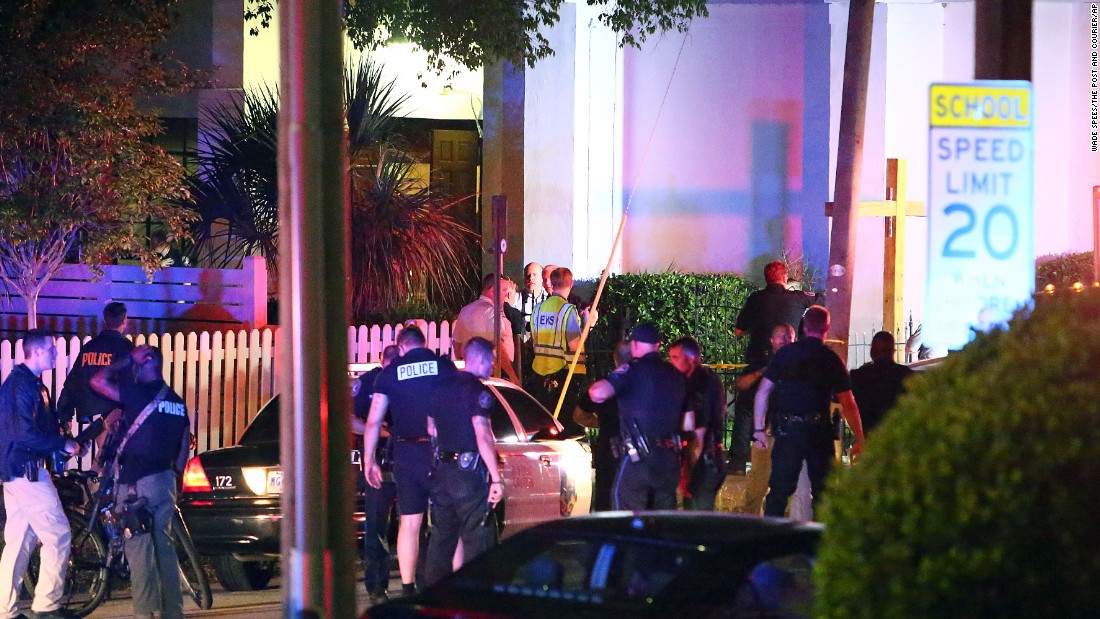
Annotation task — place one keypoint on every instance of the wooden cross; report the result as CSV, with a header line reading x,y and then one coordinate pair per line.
x,y
894,209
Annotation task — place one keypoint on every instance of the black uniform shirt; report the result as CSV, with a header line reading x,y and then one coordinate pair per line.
x,y
806,375
461,398
96,354
409,383
362,392
706,396
876,387
155,445
764,309
651,392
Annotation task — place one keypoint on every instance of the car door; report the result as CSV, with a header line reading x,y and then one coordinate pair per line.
x,y
535,464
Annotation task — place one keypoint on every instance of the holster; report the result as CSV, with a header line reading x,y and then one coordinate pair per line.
x,y
135,516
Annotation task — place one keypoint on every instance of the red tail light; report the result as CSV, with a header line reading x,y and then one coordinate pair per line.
x,y
194,477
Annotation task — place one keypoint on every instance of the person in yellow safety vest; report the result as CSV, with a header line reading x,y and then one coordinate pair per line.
x,y
556,333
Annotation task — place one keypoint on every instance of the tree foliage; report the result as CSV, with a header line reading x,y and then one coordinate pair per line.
x,y
75,163
474,33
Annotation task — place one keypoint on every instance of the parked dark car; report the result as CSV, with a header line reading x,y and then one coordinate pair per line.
x,y
632,565
230,497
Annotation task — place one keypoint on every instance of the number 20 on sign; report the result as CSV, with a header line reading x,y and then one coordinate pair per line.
x,y
981,259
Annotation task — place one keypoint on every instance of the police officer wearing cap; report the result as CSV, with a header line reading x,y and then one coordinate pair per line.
x,y
407,389
797,389
155,432
466,483
651,394
376,502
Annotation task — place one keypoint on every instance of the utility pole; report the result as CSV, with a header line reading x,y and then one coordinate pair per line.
x,y
317,536
1002,40
849,165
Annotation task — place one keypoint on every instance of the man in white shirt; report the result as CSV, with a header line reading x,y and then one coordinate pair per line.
x,y
476,320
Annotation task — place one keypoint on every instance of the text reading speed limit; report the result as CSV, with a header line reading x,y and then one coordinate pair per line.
x,y
980,255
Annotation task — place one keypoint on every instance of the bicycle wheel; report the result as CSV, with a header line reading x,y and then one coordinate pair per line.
x,y
87,582
193,579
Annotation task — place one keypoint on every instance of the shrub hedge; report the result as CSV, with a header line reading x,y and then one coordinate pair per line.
x,y
697,304
1063,270
977,496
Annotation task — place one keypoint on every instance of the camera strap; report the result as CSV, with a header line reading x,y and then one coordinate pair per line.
x,y
145,412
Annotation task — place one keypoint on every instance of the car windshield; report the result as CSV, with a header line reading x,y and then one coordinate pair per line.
x,y
594,570
265,425
530,413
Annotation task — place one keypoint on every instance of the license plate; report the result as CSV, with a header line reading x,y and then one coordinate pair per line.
x,y
274,482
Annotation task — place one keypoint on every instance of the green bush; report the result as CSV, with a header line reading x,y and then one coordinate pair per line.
x,y
977,496
1063,270
701,305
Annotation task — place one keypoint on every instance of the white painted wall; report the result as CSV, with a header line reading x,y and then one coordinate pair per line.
x,y
736,169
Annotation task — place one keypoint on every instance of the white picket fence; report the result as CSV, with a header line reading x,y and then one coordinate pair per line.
x,y
224,377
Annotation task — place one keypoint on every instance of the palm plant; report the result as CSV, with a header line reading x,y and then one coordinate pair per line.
x,y
236,190
405,245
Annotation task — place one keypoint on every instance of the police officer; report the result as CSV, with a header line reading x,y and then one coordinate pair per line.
x,y
466,483
407,389
651,397
764,309
608,444
154,430
30,434
556,332
704,459
95,354
797,388
376,502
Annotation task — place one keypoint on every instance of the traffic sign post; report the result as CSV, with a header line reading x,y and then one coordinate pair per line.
x,y
981,257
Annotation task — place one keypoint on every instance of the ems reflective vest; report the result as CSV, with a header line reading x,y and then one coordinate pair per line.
x,y
548,326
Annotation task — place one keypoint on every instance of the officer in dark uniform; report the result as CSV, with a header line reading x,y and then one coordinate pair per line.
x,y
704,458
376,502
407,389
95,354
154,427
605,418
466,483
877,384
764,309
651,395
797,387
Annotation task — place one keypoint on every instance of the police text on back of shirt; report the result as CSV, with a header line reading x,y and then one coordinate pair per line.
x,y
416,370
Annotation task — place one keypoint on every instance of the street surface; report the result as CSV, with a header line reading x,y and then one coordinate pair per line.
x,y
238,604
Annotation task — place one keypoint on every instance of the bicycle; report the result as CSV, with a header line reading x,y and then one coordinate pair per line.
x,y
97,559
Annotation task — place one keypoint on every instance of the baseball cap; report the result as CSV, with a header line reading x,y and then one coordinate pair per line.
x,y
645,332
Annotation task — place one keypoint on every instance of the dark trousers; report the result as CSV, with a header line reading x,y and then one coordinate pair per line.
x,y
703,485
607,468
547,390
459,505
812,443
740,451
649,483
376,521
